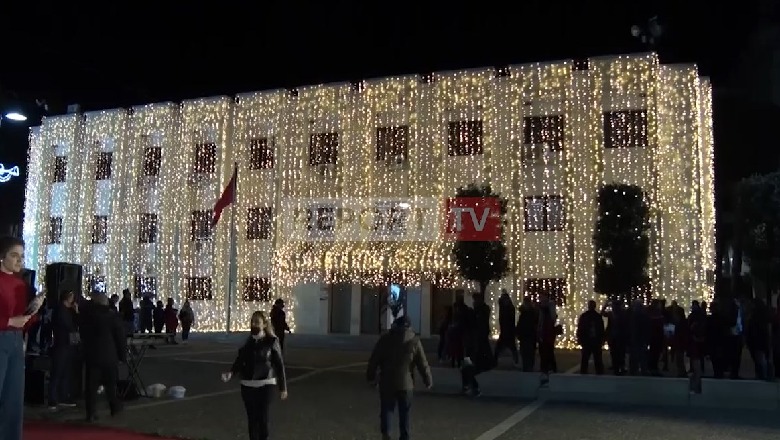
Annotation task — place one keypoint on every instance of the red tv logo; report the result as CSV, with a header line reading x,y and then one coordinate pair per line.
x,y
473,219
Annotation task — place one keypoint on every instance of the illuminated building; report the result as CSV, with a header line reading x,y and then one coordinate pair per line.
x,y
128,194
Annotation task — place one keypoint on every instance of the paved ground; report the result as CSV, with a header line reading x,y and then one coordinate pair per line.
x,y
329,400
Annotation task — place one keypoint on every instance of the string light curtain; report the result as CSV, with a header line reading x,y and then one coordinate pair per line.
x,y
546,136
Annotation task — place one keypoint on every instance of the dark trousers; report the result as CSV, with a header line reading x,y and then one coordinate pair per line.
x,y
588,351
528,354
388,402
735,355
101,374
547,361
62,363
257,402
654,357
441,347
281,336
11,385
617,353
185,332
637,359
468,378
507,342
158,327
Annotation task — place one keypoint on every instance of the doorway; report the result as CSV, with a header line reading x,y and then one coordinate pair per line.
x,y
372,301
340,308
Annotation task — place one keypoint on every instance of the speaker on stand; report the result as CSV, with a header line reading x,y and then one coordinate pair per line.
x,y
61,277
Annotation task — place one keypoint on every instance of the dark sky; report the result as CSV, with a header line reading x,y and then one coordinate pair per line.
x,y
114,55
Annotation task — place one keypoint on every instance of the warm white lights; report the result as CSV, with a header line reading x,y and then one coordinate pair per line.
x,y
546,136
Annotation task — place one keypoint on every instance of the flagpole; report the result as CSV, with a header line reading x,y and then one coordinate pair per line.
x,y
233,269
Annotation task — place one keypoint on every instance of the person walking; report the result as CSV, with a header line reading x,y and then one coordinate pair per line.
x,y
394,357
260,366
16,314
279,321
186,317
104,341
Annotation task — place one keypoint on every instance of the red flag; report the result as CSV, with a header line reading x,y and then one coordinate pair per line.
x,y
228,196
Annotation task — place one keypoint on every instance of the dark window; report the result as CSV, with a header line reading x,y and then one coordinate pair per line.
x,y
200,222
94,284
554,288
323,148
60,169
258,223
99,229
199,289
152,161
544,213
544,130
145,286
261,154
103,166
205,158
55,230
465,138
392,142
147,232
625,129
321,219
257,290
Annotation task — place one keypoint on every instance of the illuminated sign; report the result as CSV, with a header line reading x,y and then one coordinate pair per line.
x,y
7,173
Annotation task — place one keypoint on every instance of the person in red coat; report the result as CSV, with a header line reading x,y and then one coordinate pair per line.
x,y
16,315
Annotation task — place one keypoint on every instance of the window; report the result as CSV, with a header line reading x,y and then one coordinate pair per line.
x,y
392,142
199,289
257,290
625,129
200,222
465,138
205,158
258,223
103,166
60,169
261,154
321,219
55,230
99,229
147,232
145,286
554,288
542,134
152,161
323,148
544,213
390,218
94,284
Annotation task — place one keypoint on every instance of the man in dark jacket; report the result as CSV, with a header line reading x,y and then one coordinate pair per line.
x,y
105,345
279,321
127,312
590,336
506,325
396,355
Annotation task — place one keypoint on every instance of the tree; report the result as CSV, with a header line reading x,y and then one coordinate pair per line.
x,y
622,241
757,226
482,261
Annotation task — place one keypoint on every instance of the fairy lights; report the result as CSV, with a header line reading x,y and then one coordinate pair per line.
x,y
546,136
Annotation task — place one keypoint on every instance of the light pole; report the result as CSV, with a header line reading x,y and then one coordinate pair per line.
x,y
13,116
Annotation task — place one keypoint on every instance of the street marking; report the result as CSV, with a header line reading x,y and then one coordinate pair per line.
x,y
236,390
500,429
190,353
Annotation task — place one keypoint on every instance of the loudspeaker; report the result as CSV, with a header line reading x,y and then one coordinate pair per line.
x,y
29,277
61,277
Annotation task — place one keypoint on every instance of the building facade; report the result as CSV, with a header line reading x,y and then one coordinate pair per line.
x,y
129,193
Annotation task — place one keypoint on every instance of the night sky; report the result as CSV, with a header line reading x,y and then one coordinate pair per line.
x,y
111,56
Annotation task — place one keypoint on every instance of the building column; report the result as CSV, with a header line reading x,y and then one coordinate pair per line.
x,y
354,322
425,309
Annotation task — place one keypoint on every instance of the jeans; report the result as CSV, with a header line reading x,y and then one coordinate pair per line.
x,y
62,360
11,385
185,332
257,401
388,401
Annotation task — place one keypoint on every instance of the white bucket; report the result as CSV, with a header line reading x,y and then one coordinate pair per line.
x,y
177,392
157,390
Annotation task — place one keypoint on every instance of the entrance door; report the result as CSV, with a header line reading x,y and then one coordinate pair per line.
x,y
441,300
340,308
371,301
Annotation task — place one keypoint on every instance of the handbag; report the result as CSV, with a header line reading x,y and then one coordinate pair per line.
x,y
74,338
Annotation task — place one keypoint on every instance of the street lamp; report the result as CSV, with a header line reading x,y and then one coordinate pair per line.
x,y
15,116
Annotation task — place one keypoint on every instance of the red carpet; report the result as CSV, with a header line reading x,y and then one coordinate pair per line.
x,y
35,430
